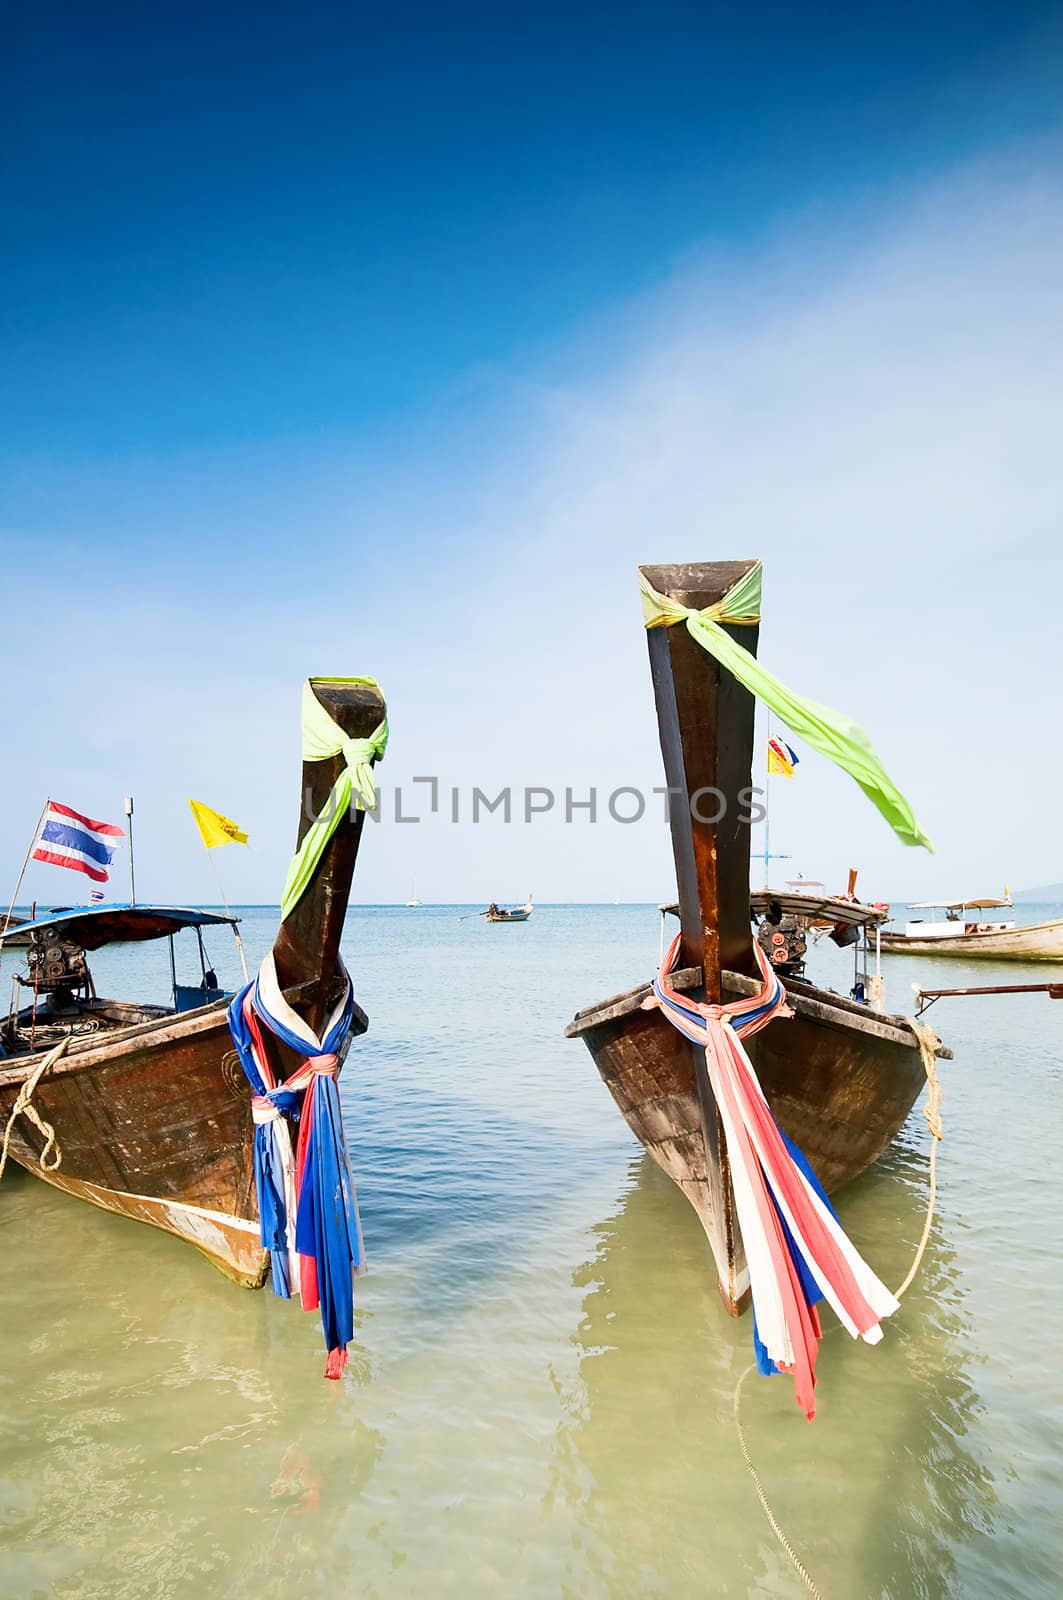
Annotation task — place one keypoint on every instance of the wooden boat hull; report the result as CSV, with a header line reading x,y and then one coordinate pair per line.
x,y
840,1081
1042,941
513,916
154,1123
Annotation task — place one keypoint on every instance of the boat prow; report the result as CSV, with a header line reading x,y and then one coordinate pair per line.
x,y
840,1079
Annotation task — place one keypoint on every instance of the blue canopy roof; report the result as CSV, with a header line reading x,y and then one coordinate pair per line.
x,y
92,927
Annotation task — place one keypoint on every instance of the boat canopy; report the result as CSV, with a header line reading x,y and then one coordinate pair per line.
x,y
984,904
826,907
92,927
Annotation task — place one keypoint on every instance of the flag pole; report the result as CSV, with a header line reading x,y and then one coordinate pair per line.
x,y
128,803
22,873
767,801
221,890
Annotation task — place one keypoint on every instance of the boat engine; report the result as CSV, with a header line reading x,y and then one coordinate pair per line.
x,y
782,938
56,967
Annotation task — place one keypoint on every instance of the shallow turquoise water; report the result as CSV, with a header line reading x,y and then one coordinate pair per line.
x,y
539,1400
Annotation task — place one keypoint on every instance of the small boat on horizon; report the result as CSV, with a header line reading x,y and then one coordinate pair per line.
x,y
497,913
13,931
959,934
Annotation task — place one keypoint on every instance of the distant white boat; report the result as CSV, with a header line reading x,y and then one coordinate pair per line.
x,y
959,933
413,901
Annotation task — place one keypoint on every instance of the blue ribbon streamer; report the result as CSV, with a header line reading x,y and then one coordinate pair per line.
x,y
326,1223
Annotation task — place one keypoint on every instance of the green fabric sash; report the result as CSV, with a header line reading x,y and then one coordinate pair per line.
x,y
840,740
323,738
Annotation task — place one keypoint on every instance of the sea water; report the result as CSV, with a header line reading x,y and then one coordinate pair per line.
x,y
540,1394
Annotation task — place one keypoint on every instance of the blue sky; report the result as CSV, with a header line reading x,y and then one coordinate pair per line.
x,y
391,342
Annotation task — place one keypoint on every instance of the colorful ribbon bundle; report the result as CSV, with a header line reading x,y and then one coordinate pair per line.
x,y
306,1201
323,738
834,735
797,1251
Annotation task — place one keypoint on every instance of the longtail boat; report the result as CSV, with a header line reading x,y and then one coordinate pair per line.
x,y
145,1110
961,932
13,930
497,913
839,1079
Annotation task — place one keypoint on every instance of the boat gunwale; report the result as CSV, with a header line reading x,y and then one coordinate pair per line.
x,y
91,1051
820,1005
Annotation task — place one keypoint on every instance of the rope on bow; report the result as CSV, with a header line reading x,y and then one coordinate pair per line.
x,y
24,1107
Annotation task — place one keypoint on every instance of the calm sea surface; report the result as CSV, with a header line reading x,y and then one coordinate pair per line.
x,y
539,1399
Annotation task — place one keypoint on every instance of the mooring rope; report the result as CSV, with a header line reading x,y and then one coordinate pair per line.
x,y
24,1107
765,1504
928,1046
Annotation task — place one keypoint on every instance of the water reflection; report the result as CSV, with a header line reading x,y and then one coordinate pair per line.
x,y
878,1494
539,1400
157,1409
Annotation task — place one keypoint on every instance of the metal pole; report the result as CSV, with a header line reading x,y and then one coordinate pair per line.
x,y
128,803
22,873
767,807
225,902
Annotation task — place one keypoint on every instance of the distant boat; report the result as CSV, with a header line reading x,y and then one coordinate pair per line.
x,y
496,913
9,924
959,934
413,900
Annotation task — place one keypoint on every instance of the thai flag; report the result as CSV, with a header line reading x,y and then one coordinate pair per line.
x,y
67,839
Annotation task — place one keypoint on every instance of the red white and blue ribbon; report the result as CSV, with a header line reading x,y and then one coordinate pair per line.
x,y
796,1248
307,1207
68,839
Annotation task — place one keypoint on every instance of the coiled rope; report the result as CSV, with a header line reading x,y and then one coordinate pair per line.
x,y
928,1047
24,1107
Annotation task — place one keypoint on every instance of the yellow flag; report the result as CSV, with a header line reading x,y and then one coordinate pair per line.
x,y
215,828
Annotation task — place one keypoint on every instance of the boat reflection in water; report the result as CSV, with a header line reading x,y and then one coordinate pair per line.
x,y
876,1499
165,1434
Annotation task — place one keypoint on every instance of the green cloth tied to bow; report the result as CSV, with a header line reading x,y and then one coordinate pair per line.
x,y
323,738
841,741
